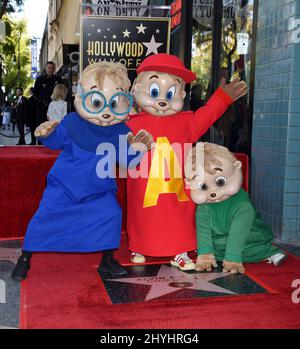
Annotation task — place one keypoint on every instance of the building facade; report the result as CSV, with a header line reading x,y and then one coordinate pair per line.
x,y
61,30
276,118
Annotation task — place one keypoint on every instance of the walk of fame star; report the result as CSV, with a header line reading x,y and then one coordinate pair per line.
x,y
9,254
164,282
10,251
169,280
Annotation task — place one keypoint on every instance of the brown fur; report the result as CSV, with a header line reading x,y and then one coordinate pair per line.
x,y
116,71
212,154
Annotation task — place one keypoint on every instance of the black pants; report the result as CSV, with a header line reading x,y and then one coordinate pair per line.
x,y
21,129
14,126
33,139
42,109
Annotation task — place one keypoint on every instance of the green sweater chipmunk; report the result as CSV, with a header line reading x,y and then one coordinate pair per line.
x,y
229,228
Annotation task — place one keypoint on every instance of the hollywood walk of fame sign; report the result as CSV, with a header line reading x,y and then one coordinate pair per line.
x,y
126,40
163,282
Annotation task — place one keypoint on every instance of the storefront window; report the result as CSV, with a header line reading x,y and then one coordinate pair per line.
x,y
234,130
201,51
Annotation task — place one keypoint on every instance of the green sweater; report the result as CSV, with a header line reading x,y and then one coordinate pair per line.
x,y
234,231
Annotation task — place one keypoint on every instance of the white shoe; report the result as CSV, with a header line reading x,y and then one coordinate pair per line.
x,y
183,262
137,258
277,259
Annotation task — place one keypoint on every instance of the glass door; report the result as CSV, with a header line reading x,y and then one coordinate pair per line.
x,y
233,130
202,43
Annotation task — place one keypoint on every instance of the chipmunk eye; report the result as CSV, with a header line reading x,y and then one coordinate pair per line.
x,y
171,93
221,181
96,100
115,102
154,90
202,186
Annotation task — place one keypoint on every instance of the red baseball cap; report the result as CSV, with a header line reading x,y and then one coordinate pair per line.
x,y
165,63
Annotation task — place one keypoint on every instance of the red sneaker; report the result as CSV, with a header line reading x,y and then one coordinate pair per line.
x,y
183,262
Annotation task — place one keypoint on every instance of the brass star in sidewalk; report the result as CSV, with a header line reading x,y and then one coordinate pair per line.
x,y
169,280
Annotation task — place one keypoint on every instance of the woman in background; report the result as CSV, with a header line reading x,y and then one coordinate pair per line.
x,y
58,107
6,116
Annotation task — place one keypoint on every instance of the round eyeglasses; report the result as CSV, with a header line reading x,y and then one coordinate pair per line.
x,y
94,102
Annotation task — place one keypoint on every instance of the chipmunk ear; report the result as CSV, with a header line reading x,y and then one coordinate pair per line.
x,y
237,164
135,88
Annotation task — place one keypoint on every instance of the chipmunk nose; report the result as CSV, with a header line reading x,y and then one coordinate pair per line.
x,y
162,104
213,195
106,116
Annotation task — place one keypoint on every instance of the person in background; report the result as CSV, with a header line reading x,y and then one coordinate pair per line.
x,y
13,116
196,97
6,116
21,114
32,115
58,107
43,89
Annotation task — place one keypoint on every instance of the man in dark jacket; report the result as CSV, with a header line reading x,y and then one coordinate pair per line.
x,y
43,89
21,114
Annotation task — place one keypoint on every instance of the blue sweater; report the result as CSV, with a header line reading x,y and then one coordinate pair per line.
x,y
88,150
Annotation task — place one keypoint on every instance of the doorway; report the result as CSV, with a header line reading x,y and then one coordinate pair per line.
x,y
223,45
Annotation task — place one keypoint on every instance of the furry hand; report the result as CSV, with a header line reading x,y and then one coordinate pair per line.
x,y
205,262
234,89
233,267
46,128
142,141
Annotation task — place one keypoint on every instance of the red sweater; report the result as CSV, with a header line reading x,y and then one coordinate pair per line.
x,y
161,215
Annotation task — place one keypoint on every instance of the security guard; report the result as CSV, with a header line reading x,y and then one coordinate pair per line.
x,y
43,90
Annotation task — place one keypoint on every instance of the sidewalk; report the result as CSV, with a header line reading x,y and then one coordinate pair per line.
x,y
9,138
